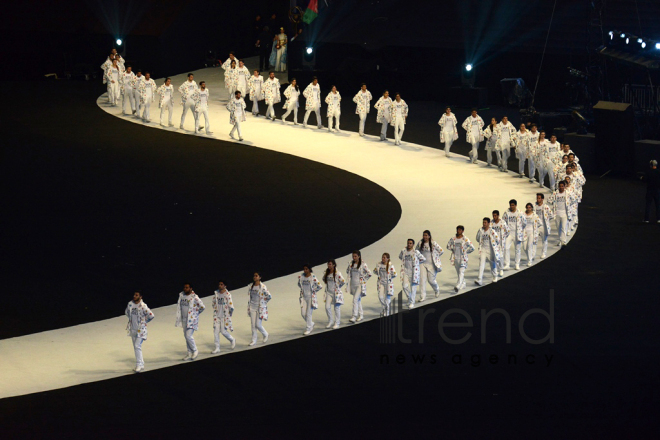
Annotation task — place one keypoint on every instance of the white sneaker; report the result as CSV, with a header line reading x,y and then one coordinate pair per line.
x,y
306,332
361,318
330,324
209,132
194,355
329,130
437,294
507,267
529,263
478,283
501,272
543,257
252,343
188,357
233,343
517,266
216,351
181,127
411,306
266,337
170,125
421,299
495,279
336,326
139,369
352,320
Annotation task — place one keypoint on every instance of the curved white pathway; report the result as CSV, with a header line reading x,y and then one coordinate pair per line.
x,y
435,193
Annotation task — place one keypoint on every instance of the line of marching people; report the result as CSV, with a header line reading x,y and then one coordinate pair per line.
x,y
500,243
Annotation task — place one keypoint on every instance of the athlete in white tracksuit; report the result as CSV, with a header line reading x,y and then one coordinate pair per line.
x,y
334,296
545,214
147,90
258,298
236,109
383,116
515,220
474,133
113,75
561,201
127,93
489,249
532,138
432,265
292,95
138,316
411,259
363,104
357,275
187,89
492,134
531,233
136,94
448,129
223,309
386,273
309,287
507,139
333,100
166,101
460,246
398,115
201,98
256,83
502,230
188,308
312,94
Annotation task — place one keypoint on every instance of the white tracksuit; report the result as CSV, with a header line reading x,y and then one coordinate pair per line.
x,y
532,139
315,107
203,109
167,104
334,109
292,103
512,219
428,271
383,116
363,101
399,112
189,104
544,231
136,95
113,86
128,100
529,241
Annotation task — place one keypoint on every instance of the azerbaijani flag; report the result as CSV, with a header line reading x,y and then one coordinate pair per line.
x,y
312,11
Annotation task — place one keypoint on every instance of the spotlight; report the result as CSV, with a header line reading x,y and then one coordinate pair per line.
x,y
611,35
639,40
657,46
119,41
643,44
623,35
468,67
627,40
309,50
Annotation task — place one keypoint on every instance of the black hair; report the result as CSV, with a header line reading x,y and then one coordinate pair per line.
x,y
473,110
461,227
529,204
270,72
297,88
561,182
447,108
514,201
397,94
231,52
308,267
421,243
410,239
571,154
222,281
486,219
168,78
241,61
496,212
202,82
565,156
138,71
147,73
386,91
314,78
256,70
188,284
237,92
257,273
190,74
232,62
138,291
363,84
327,271
359,254
542,196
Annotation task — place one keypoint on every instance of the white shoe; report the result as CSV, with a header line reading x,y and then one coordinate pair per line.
x,y
306,332
517,266
194,355
543,257
266,337
139,369
232,136
495,279
437,294
361,318
336,326
529,263
352,320
501,273
411,306
478,283
181,127
216,351
233,343
330,324
170,125
188,357
421,300
209,132
559,244
329,130
339,131
304,125
252,343
507,267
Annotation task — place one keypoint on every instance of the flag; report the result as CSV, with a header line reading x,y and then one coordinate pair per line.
x,y
312,11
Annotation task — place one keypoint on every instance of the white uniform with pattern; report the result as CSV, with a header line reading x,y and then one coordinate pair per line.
x,y
363,104
312,96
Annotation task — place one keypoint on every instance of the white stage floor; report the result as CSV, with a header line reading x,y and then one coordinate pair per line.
x,y
435,193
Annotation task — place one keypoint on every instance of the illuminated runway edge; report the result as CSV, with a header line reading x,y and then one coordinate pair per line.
x,y
452,192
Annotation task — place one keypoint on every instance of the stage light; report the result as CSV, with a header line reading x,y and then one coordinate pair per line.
x,y
309,50
623,35
627,40
657,46
119,41
468,67
611,35
643,44
639,40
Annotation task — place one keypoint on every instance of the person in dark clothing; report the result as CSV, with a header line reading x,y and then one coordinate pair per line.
x,y
652,180
264,44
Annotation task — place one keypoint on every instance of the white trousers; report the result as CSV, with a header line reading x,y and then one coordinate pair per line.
x,y
270,111
237,127
521,165
256,324
532,167
544,237
220,330
490,256
363,120
562,225
146,110
190,341
255,107
460,271
398,130
511,239
306,310
427,274
530,248
113,92
409,288
293,108
198,117
336,116
489,156
189,105
137,347
357,301
474,153
168,105
332,309
232,92
316,110
506,153
136,98
385,299
448,141
383,128
551,176
128,101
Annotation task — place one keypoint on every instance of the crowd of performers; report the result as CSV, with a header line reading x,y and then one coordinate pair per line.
x,y
499,236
